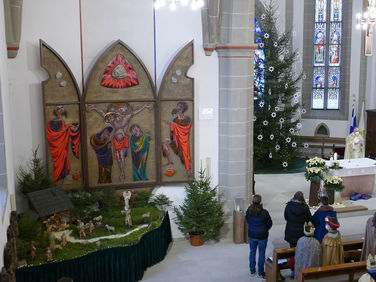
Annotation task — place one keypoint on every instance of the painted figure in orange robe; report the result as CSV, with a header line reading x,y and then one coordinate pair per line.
x,y
180,128
60,136
118,116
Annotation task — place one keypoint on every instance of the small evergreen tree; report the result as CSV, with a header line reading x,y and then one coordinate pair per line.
x,y
201,212
277,109
34,177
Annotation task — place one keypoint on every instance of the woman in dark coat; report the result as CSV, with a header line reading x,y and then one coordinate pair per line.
x,y
296,213
259,223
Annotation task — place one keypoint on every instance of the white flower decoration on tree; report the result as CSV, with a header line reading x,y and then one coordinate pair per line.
x,y
286,85
296,96
254,118
304,111
276,109
259,137
304,76
288,140
271,136
293,144
265,122
285,164
299,125
273,114
261,104
296,101
270,155
263,16
292,130
277,147
271,69
275,44
281,120
261,45
306,145
266,35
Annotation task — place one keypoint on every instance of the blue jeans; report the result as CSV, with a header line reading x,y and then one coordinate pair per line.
x,y
253,243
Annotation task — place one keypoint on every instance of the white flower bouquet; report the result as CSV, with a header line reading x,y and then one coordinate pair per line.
x,y
314,174
334,183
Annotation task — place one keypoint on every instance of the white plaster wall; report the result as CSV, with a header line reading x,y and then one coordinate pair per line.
x,y
4,218
173,31
58,24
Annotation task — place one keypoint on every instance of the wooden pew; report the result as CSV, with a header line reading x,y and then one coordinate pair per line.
x,y
333,270
272,269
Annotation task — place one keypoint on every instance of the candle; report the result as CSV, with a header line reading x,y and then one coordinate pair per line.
x,y
335,156
12,202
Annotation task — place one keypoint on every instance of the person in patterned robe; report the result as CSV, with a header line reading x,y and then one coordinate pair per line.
x,y
308,251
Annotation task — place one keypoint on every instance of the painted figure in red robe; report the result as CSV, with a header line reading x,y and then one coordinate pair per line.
x,y
59,137
180,128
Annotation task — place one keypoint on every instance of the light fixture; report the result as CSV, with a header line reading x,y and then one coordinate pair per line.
x,y
367,22
195,4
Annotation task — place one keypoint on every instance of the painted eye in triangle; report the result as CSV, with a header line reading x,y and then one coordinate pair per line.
x,y
119,74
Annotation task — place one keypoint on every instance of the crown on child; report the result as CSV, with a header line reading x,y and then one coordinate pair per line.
x,y
371,262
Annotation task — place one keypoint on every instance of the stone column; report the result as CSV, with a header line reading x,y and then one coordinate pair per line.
x,y
228,29
236,59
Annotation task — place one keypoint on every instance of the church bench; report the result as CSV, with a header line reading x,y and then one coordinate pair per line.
x,y
333,270
272,268
323,142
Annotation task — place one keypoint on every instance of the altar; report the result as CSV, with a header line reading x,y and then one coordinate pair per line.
x,y
358,175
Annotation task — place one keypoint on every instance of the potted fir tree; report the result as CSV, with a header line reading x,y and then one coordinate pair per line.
x,y
201,214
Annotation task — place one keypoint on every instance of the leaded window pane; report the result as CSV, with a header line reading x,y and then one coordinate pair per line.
x,y
319,55
318,99
335,33
334,77
320,13
320,33
336,11
333,99
318,77
334,55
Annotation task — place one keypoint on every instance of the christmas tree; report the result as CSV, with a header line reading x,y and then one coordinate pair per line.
x,y
276,98
201,212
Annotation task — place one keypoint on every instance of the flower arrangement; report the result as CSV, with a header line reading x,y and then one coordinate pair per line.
x,y
317,162
334,183
335,165
314,174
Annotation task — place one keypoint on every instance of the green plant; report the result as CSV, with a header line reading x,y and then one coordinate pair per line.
x,y
109,199
84,203
34,177
277,112
314,174
201,212
161,201
334,183
140,199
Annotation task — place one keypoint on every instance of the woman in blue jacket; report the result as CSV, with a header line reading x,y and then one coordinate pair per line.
x,y
318,219
259,223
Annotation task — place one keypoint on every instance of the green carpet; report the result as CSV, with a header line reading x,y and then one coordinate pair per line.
x,y
298,165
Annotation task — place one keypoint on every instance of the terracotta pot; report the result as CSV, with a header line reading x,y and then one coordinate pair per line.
x,y
196,241
314,194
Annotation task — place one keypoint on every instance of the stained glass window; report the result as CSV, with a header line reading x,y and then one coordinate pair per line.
x,y
327,55
259,73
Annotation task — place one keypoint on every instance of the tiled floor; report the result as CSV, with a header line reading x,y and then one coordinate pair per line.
x,y
225,261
